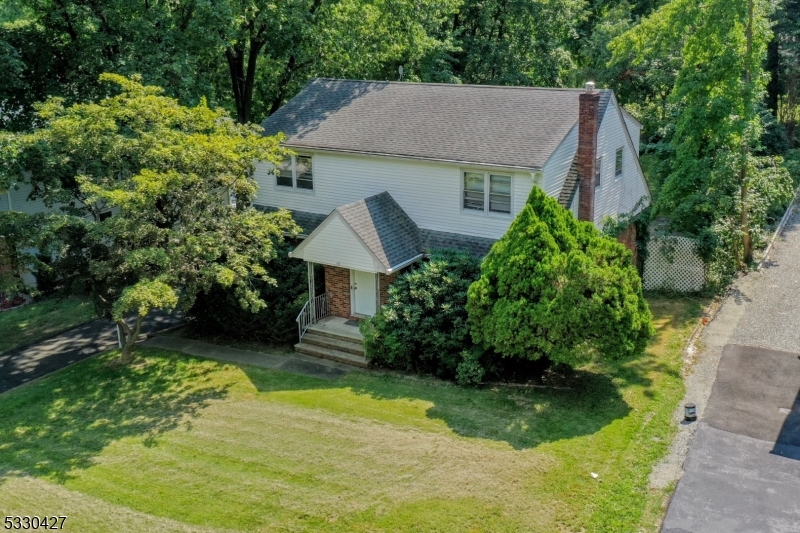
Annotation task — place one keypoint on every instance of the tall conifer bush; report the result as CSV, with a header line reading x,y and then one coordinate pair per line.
x,y
555,287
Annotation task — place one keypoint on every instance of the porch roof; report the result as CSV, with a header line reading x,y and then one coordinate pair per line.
x,y
373,235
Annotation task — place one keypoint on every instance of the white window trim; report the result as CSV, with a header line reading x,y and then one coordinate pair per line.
x,y
485,211
294,186
621,164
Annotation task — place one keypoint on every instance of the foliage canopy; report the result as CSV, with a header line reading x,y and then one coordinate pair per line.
x,y
144,187
555,287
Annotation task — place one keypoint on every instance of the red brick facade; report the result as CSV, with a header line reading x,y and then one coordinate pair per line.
x,y
588,124
385,281
337,283
628,238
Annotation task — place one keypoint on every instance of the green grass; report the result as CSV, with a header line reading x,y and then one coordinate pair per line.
x,y
183,444
42,319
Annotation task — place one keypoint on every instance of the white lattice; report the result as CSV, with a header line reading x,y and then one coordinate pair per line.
x,y
673,264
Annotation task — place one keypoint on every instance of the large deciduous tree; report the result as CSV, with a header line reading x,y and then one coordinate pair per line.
x,y
166,174
556,287
716,182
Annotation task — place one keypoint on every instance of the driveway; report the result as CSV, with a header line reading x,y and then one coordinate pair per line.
x,y
23,364
742,474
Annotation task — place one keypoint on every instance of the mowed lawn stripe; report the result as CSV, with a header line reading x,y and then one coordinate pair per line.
x,y
222,446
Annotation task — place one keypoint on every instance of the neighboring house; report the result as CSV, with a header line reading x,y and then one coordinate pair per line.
x,y
386,171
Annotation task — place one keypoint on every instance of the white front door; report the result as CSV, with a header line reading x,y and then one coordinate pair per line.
x,y
364,298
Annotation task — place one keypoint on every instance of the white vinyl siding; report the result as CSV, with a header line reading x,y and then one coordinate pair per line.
x,y
616,196
336,244
634,129
559,163
19,200
431,193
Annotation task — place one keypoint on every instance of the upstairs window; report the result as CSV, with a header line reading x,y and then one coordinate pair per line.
x,y
618,163
295,172
499,193
474,191
598,171
487,192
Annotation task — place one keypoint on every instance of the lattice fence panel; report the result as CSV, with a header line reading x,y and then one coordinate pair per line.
x,y
673,264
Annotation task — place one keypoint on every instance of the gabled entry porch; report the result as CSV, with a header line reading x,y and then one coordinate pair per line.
x,y
362,247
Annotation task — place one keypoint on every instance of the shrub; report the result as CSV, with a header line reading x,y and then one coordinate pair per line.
x,y
219,312
555,287
424,326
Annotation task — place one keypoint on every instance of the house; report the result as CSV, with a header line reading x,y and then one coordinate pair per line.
x,y
385,171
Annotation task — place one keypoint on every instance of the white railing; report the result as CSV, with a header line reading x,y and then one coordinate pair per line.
x,y
314,310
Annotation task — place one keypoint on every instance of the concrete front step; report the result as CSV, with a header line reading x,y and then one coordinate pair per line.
x,y
334,343
330,354
329,329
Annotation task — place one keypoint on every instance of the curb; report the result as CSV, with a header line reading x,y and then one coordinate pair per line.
x,y
778,231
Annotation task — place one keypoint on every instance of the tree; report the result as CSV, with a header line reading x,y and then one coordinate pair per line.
x,y
555,287
166,174
718,93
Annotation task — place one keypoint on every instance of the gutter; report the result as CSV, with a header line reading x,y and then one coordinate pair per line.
x,y
404,263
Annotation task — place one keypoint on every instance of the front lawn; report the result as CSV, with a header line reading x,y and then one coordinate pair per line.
x,y
42,319
183,444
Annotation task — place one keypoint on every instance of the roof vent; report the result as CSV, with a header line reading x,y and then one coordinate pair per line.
x,y
590,87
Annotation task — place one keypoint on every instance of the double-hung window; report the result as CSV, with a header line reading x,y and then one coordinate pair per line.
x,y
487,192
618,163
295,172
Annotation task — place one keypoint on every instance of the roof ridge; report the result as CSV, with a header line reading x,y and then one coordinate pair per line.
x,y
473,85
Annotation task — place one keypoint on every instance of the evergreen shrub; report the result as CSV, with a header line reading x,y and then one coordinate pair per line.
x,y
556,288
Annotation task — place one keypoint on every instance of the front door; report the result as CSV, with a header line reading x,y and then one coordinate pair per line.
x,y
364,299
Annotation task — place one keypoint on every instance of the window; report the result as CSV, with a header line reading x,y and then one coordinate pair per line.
x,y
618,164
473,190
499,193
284,176
295,172
598,171
487,192
303,172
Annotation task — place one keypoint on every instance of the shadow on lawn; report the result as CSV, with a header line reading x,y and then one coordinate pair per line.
x,y
49,431
524,418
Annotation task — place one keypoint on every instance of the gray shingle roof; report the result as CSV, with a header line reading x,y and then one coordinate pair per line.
x,y
515,127
308,222
433,240
570,184
385,228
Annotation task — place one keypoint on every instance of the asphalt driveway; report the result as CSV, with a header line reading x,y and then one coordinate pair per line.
x,y
26,363
742,474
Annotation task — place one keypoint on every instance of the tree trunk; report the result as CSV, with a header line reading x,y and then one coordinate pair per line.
x,y
129,337
243,74
747,241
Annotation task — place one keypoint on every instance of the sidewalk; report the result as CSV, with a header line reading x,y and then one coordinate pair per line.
x,y
296,363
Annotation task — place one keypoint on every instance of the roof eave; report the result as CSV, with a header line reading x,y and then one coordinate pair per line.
x,y
415,158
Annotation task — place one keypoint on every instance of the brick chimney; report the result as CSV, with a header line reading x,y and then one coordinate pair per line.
x,y
588,124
